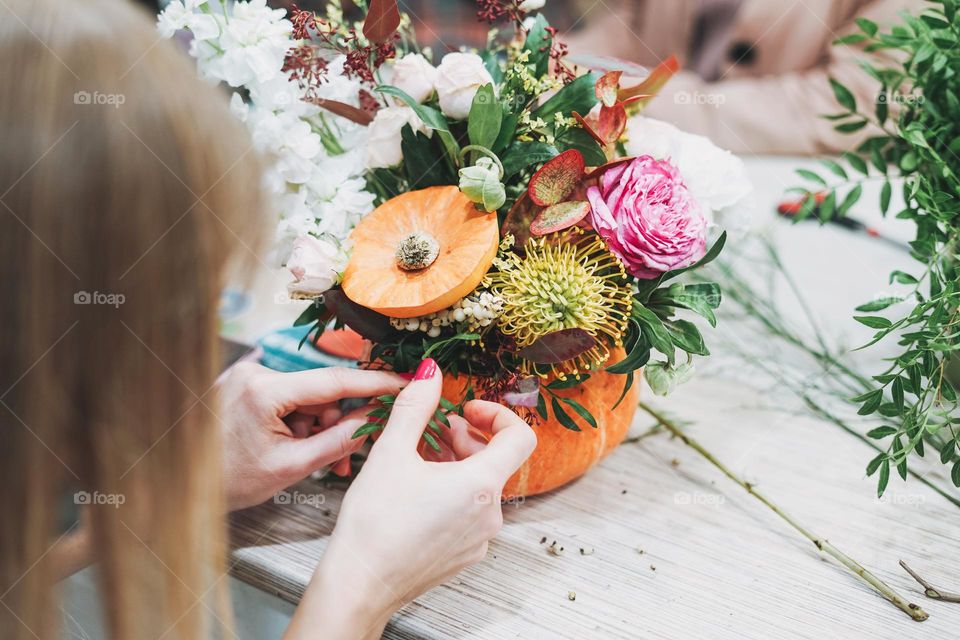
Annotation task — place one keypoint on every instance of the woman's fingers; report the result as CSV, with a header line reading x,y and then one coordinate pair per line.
x,y
513,440
412,410
320,386
463,438
305,455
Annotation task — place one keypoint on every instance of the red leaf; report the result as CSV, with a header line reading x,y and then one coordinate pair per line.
x,y
343,110
559,216
518,220
382,20
557,178
612,122
602,168
654,82
607,86
588,128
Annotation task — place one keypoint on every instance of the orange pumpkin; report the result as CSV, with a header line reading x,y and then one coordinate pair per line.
x,y
563,455
420,252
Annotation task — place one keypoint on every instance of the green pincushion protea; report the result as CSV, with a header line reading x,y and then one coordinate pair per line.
x,y
564,281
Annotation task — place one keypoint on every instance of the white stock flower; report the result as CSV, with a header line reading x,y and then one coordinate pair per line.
x,y
316,266
416,77
716,178
187,15
458,78
255,42
383,140
531,5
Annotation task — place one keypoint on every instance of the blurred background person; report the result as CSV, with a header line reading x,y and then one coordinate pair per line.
x,y
754,72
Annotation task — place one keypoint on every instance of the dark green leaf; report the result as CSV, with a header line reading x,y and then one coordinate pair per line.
x,y
577,96
843,96
874,322
581,411
562,416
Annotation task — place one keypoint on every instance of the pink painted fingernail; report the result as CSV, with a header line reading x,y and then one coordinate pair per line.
x,y
426,370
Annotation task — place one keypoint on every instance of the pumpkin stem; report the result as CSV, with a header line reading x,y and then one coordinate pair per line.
x,y
417,251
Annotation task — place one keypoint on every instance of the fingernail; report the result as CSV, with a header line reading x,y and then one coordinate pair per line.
x,y
426,370
406,376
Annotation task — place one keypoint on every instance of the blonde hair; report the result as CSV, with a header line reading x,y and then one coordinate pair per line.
x,y
125,185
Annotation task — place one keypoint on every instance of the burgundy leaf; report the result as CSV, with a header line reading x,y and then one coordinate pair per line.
x,y
382,20
368,323
558,346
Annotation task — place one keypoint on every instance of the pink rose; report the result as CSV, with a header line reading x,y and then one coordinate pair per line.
x,y
642,208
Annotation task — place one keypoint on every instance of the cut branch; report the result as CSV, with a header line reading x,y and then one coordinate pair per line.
x,y
929,590
912,610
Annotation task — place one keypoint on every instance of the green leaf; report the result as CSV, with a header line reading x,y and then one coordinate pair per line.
x,y
709,257
311,314
423,160
577,96
638,355
881,432
577,138
902,278
884,478
850,127
871,402
562,416
880,304
486,115
851,199
855,161
652,327
538,45
811,176
834,168
686,336
431,441
542,406
955,474
843,96
431,117
869,27
885,194
701,298
874,322
525,155
626,388
875,464
581,411
368,428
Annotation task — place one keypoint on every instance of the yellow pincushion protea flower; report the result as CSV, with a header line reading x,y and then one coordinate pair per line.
x,y
565,281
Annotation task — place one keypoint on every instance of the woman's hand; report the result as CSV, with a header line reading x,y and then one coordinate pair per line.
x,y
268,418
407,524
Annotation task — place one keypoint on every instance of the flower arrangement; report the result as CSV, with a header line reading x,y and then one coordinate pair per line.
x,y
518,221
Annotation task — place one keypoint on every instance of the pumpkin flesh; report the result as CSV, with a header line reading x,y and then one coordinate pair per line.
x,y
468,241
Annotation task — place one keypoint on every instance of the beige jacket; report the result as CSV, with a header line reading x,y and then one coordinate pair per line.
x,y
773,83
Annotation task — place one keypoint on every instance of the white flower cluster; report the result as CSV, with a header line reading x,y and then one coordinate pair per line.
x,y
455,82
477,310
318,164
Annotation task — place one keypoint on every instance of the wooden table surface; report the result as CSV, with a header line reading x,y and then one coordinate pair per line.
x,y
670,547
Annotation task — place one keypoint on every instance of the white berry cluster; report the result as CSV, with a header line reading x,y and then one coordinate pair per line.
x,y
477,310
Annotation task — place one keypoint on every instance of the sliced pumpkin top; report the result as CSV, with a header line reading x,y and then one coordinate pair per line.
x,y
393,270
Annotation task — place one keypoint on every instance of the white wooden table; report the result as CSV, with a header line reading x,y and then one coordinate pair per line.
x,y
672,549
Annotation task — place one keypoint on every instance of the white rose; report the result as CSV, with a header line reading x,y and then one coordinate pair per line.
x,y
458,78
716,178
383,135
416,77
315,265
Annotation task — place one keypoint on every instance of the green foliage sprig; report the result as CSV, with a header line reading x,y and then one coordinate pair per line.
x,y
917,112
